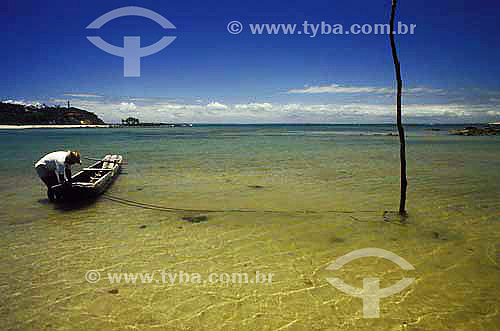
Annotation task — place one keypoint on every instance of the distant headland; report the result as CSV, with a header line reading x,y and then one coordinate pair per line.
x,y
42,115
21,116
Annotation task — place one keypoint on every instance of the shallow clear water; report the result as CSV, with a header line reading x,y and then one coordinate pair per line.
x,y
312,175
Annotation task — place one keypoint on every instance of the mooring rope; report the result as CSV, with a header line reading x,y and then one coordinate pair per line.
x,y
143,205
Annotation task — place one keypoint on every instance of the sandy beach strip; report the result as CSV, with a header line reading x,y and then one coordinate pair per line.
x,y
49,126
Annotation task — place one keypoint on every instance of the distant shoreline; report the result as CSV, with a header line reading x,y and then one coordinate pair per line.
x,y
169,125
53,126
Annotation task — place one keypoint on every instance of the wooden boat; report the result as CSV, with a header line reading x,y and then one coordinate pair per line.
x,y
90,182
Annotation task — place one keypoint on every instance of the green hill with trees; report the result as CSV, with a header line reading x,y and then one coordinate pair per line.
x,y
18,114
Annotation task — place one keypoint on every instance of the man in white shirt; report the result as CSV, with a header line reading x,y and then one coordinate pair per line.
x,y
55,168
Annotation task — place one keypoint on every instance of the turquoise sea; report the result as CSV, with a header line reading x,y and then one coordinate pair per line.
x,y
281,199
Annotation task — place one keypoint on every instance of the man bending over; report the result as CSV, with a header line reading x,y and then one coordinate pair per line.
x,y
55,168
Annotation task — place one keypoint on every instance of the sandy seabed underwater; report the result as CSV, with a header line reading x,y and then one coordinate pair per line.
x,y
314,194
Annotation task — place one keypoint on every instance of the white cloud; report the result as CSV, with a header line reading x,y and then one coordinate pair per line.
x,y
82,95
23,103
127,106
113,110
338,89
425,91
216,105
335,88
254,106
15,102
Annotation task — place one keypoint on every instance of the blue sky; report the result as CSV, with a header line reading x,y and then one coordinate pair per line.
x,y
450,65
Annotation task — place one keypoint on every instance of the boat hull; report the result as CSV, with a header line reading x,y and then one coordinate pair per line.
x,y
92,181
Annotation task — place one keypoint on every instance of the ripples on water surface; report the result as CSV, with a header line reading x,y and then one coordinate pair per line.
x,y
451,237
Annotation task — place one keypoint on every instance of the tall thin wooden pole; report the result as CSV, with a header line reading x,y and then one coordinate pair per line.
x,y
402,149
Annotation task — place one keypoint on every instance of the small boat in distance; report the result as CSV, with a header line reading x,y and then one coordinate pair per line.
x,y
90,182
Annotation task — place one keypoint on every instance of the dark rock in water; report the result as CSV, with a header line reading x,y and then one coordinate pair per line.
x,y
143,226
255,186
437,235
308,282
477,131
337,240
113,291
196,219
